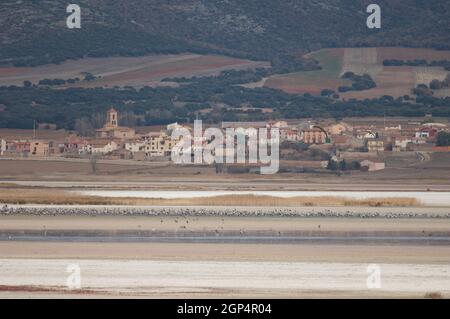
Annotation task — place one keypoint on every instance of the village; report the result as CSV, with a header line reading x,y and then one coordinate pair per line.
x,y
325,144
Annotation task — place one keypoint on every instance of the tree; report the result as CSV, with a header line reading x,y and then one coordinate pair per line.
x,y
356,165
422,90
93,162
435,85
348,75
89,77
332,165
327,92
343,165
218,167
443,139
344,89
84,127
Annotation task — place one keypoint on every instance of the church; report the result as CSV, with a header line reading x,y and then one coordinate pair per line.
x,y
112,129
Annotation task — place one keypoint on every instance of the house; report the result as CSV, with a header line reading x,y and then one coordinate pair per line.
x,y
243,125
40,148
418,140
8,148
72,144
435,124
151,144
401,143
339,128
372,165
345,141
315,135
99,147
375,144
393,128
2,147
426,132
173,127
290,134
158,144
277,124
21,147
135,146
365,134
112,129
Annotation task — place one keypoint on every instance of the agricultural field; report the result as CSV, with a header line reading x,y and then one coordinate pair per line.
x,y
392,80
127,71
313,81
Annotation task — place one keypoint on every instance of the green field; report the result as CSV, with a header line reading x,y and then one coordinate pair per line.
x,y
313,81
394,81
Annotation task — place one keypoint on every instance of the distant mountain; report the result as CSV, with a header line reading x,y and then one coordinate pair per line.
x,y
34,32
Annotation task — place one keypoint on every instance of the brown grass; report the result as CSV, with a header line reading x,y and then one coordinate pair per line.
x,y
57,197
433,295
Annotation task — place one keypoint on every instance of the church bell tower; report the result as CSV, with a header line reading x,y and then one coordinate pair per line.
x,y
111,118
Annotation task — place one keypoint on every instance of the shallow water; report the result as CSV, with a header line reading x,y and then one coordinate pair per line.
x,y
352,240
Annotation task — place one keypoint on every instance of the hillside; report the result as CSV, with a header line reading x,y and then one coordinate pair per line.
x,y
160,61
395,81
126,71
34,32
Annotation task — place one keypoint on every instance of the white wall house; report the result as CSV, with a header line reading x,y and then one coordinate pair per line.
x,y
135,147
373,166
2,147
99,147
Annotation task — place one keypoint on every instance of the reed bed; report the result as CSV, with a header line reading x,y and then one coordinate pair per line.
x,y
59,197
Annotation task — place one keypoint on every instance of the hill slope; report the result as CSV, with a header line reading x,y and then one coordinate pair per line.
x,y
395,81
34,32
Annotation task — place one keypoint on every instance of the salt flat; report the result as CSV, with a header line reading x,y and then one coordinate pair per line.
x,y
153,278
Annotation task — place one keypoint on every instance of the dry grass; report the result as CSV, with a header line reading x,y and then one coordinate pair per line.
x,y
433,295
58,197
